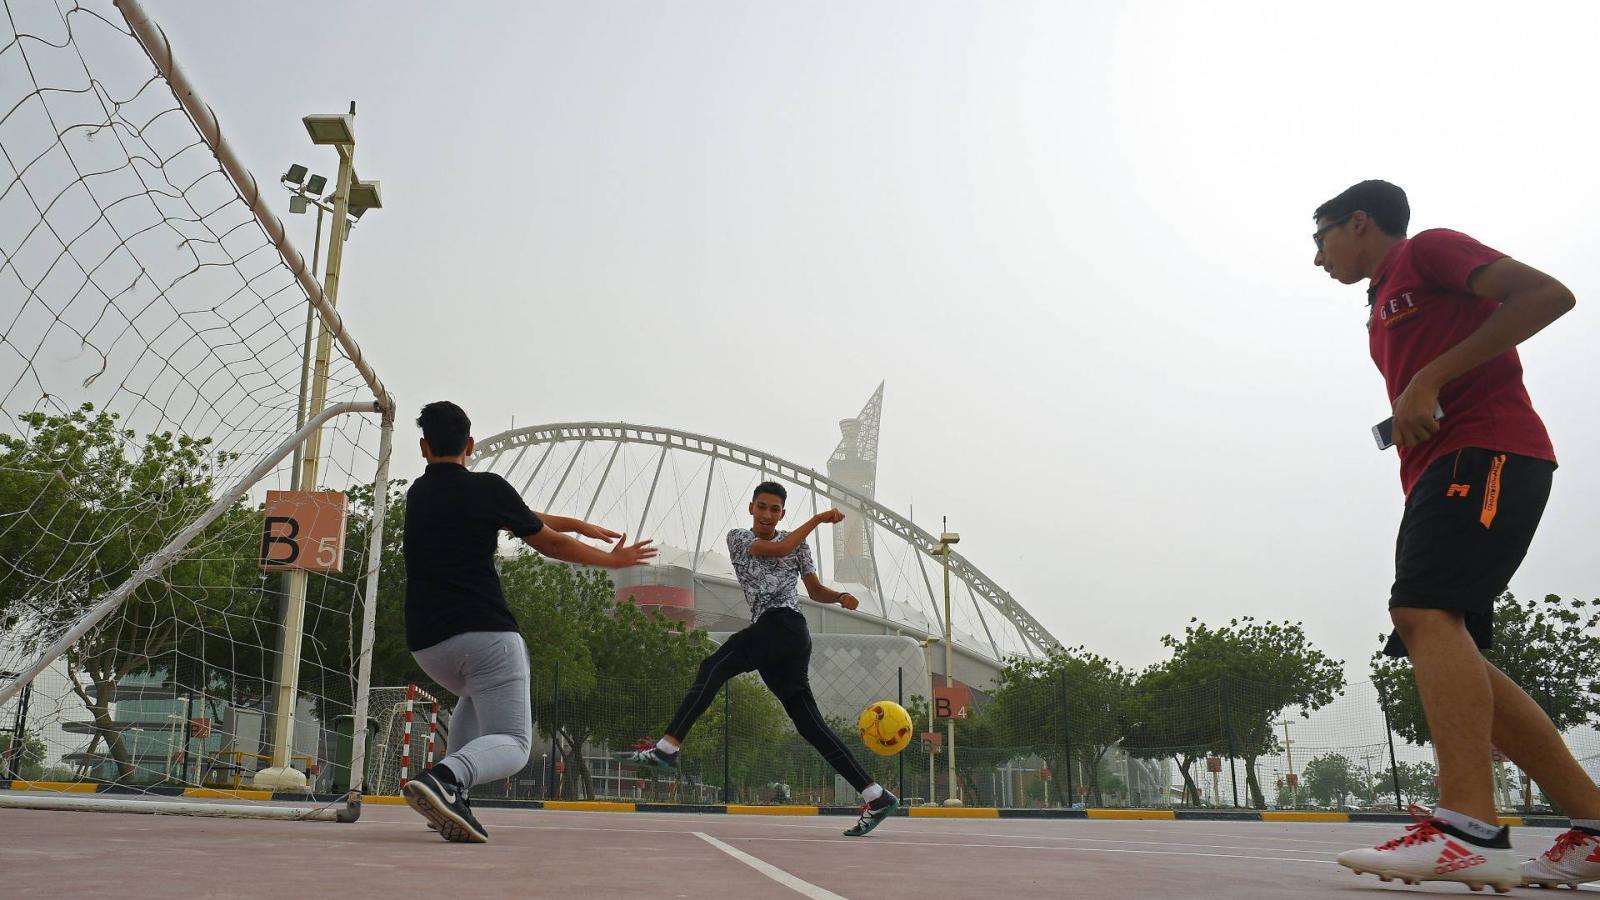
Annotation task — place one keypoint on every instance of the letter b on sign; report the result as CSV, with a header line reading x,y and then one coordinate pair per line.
x,y
303,530
951,702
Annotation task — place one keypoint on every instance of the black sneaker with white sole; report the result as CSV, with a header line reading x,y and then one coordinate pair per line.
x,y
443,802
873,814
651,758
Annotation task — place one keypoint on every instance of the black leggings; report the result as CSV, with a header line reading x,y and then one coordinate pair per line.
x,y
778,646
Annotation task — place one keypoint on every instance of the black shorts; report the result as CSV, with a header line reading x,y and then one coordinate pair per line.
x,y
1468,523
778,645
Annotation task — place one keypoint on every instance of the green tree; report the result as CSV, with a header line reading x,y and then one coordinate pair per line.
x,y
1332,777
1262,669
27,762
1071,698
1419,782
334,610
622,671
92,501
762,746
1169,718
1550,647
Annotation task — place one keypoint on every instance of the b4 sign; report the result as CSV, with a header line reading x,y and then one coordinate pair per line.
x,y
303,530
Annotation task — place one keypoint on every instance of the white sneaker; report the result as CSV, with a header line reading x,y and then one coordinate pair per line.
x,y
1573,860
1433,850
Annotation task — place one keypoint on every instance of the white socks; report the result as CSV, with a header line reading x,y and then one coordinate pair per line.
x,y
873,791
665,747
1474,827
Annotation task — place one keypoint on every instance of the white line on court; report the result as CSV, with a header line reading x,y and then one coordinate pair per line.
x,y
771,871
889,843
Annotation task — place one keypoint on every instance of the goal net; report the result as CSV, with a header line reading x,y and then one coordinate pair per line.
x,y
411,731
153,354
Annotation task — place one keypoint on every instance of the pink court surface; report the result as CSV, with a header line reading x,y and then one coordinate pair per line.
x,y
587,855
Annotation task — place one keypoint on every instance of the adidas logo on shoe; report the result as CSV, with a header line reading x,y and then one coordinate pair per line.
x,y
1455,858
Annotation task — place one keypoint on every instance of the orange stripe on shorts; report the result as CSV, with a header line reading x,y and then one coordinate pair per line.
x,y
1491,491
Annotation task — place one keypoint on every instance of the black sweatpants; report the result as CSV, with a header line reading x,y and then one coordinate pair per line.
x,y
778,645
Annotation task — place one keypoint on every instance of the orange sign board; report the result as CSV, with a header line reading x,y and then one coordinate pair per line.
x,y
951,702
1213,764
931,742
303,530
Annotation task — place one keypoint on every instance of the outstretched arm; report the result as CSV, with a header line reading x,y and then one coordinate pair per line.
x,y
556,545
570,525
821,593
797,537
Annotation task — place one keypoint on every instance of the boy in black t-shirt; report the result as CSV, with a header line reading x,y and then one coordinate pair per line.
x,y
458,626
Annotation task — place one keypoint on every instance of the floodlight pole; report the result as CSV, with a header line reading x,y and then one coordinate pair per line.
x,y
1288,749
945,540
305,361
280,775
927,656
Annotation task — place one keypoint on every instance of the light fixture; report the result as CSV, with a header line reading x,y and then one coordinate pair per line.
x,y
331,129
297,203
315,184
295,175
365,195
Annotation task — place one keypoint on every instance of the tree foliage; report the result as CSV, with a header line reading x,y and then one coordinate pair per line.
x,y
1331,779
1263,669
1551,647
86,503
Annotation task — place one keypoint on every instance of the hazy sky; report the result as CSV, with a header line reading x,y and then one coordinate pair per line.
x,y
1072,238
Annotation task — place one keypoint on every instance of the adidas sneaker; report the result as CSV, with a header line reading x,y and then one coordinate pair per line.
x,y
1433,850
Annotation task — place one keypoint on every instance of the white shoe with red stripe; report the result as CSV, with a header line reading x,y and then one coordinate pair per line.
x,y
1574,860
1432,850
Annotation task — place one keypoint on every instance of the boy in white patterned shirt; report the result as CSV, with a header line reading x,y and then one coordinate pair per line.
x,y
777,644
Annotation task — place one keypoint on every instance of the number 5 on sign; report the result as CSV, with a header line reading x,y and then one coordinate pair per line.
x,y
303,530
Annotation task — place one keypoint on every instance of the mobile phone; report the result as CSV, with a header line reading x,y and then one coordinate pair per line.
x,y
1383,432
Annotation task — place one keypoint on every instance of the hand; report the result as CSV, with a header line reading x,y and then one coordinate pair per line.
x,y
831,517
625,555
849,601
1413,412
595,531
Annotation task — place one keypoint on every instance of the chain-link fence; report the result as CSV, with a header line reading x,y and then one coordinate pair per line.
x,y
1223,744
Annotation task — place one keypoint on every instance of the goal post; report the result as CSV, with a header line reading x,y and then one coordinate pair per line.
x,y
150,361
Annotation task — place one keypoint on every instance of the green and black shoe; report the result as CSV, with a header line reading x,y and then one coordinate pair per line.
x,y
873,814
651,758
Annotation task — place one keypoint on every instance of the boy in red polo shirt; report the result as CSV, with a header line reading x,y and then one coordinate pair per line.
x,y
1445,316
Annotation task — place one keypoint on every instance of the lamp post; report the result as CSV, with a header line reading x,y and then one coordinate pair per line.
x,y
927,655
305,191
351,193
1288,749
946,539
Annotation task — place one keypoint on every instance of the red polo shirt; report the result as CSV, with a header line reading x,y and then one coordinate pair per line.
x,y
1421,307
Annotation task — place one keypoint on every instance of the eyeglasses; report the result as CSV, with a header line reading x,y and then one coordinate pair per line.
x,y
1316,237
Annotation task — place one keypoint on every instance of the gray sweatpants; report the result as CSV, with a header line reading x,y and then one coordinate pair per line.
x,y
491,730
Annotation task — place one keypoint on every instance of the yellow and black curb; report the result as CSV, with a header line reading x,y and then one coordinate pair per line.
x,y
735,809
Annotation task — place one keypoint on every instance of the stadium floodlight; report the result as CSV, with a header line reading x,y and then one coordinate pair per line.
x,y
337,129
297,204
364,195
296,175
315,184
